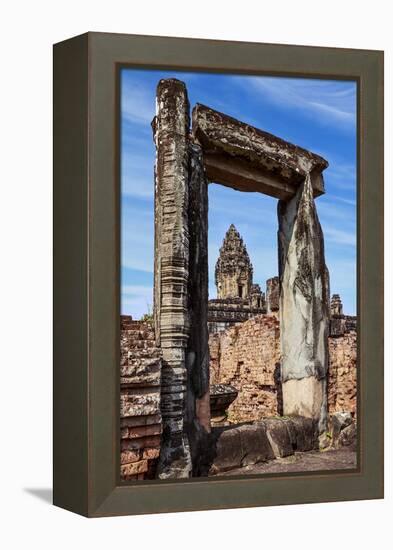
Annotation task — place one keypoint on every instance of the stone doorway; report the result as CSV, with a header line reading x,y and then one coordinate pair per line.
x,y
213,147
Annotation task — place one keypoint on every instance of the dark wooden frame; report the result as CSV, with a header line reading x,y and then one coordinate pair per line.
x,y
86,273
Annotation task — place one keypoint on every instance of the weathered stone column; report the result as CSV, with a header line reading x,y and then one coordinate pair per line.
x,y
198,397
304,307
171,128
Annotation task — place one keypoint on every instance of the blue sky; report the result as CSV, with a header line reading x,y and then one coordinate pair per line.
x,y
319,115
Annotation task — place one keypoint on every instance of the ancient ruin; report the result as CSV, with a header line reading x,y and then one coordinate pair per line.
x,y
140,400
269,352
238,298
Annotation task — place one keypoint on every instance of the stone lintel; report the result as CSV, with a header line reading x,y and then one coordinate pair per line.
x,y
248,159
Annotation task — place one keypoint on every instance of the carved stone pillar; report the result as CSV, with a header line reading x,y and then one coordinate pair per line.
x,y
304,307
171,128
198,397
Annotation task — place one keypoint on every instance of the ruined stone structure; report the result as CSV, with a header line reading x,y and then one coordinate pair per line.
x,y
340,324
220,149
234,271
245,380
272,295
246,356
238,298
342,389
140,396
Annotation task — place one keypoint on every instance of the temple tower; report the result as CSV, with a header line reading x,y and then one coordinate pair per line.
x,y
233,274
336,306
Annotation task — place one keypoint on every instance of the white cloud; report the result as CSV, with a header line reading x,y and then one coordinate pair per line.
x,y
339,236
137,103
327,99
349,202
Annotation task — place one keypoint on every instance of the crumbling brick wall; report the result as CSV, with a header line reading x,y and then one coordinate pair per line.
x,y
342,373
140,386
246,356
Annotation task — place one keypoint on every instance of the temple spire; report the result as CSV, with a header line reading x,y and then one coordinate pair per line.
x,y
234,271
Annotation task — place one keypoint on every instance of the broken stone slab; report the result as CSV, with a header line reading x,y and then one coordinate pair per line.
x,y
247,444
238,446
278,436
348,437
248,159
228,452
338,422
303,433
255,444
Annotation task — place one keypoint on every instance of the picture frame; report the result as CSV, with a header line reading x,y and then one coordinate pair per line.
x,y
87,273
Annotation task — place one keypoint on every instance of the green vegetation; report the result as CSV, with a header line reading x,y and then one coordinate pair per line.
x,y
147,318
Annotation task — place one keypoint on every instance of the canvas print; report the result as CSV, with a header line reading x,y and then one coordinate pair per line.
x,y
238,329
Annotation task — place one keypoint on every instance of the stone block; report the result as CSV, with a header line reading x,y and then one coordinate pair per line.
x,y
139,404
338,422
348,437
303,433
255,444
132,455
131,421
151,453
140,443
278,436
249,159
228,450
337,327
144,431
133,468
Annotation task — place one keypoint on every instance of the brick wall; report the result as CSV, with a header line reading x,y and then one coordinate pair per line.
x,y
140,385
342,373
246,356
